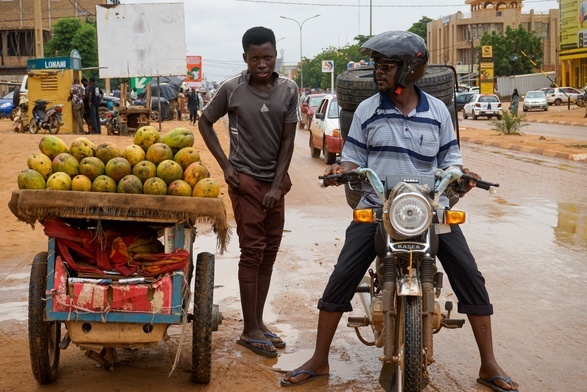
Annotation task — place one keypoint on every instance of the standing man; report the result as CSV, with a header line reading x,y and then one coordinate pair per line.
x,y
76,96
87,111
193,104
401,130
94,98
262,115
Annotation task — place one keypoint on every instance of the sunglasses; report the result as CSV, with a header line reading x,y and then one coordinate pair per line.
x,y
385,67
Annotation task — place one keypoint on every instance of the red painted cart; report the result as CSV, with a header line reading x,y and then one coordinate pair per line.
x,y
105,310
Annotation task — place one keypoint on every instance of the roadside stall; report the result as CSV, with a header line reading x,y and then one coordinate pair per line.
x,y
117,274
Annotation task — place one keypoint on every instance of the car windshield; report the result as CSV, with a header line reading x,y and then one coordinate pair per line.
x,y
333,110
9,95
315,101
488,98
535,94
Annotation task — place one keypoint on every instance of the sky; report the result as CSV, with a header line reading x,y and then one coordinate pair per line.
x,y
214,28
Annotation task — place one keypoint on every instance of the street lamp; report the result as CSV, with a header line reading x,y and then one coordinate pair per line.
x,y
301,57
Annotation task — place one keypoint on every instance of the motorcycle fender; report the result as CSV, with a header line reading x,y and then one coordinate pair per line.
x,y
409,286
59,119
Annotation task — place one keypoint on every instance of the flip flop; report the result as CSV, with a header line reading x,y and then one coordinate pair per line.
x,y
276,340
490,383
257,350
313,377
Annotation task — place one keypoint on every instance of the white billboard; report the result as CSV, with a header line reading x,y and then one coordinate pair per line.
x,y
137,40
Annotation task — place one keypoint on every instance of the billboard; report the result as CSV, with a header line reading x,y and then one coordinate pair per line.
x,y
194,71
137,40
573,14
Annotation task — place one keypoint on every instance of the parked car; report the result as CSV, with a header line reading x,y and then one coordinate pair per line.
x,y
559,95
535,100
308,107
474,89
7,108
487,105
462,98
325,132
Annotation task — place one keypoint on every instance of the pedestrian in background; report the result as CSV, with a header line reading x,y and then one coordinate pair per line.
x,y
76,96
514,103
193,104
87,118
94,97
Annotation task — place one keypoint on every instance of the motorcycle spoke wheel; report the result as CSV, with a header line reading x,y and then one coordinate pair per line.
x,y
33,127
410,368
54,126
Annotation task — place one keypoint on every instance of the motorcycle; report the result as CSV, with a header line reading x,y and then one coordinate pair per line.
x,y
112,121
49,119
581,100
400,297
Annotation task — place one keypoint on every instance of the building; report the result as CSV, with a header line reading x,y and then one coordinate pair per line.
x,y
17,29
454,39
573,43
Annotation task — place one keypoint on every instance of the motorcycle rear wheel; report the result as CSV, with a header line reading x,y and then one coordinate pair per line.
x,y
54,126
33,127
409,347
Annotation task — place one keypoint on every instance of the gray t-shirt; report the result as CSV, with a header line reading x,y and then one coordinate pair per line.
x,y
255,121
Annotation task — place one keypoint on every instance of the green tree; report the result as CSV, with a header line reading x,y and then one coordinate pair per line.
x,y
507,51
313,75
420,27
70,33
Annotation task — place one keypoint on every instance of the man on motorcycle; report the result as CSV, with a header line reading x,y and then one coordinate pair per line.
x,y
403,129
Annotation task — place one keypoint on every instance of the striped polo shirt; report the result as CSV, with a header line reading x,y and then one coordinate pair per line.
x,y
381,138
255,121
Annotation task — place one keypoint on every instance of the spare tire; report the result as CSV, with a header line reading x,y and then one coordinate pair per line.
x,y
356,84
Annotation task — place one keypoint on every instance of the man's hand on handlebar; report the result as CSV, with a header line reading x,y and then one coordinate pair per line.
x,y
337,169
469,184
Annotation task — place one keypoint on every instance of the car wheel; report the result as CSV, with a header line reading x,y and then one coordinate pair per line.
x,y
546,108
465,115
329,157
525,110
474,115
315,152
499,117
558,101
154,116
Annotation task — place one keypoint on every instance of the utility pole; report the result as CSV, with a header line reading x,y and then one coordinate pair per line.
x,y
38,30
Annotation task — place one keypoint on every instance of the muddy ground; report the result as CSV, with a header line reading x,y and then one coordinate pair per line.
x,y
291,312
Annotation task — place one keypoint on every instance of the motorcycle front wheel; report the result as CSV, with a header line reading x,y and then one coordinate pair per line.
x,y
54,126
409,345
33,126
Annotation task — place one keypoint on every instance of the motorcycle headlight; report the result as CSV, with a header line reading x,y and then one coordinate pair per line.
x,y
410,214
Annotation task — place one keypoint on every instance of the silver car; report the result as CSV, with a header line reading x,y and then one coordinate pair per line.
x,y
535,100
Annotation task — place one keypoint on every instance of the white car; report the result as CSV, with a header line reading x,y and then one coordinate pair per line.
x,y
486,105
325,132
535,100
560,95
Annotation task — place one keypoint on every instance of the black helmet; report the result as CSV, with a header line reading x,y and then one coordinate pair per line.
x,y
406,48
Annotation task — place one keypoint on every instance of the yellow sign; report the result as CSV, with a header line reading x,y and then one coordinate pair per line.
x,y
487,51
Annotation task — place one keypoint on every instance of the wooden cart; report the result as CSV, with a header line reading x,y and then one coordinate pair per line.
x,y
120,315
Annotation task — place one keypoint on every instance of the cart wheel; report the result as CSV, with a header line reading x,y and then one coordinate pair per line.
x,y
43,335
202,328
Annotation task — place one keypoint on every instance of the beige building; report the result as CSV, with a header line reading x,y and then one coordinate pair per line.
x,y
453,39
17,29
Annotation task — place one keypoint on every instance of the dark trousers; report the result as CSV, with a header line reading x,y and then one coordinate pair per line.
x,y
95,118
259,229
358,252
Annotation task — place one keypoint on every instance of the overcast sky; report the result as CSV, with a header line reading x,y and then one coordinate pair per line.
x,y
214,28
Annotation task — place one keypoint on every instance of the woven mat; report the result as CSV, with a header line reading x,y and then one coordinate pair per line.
x,y
31,206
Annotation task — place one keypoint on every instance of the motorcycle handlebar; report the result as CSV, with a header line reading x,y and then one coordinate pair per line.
x,y
352,176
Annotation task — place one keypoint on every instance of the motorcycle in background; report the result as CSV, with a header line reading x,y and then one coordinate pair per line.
x,y
400,297
49,119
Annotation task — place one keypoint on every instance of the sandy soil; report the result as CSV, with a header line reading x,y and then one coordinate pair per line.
x,y
233,369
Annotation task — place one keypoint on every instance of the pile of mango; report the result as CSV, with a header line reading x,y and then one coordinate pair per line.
x,y
154,165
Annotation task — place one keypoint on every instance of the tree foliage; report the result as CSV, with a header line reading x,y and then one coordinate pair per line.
x,y
316,79
71,33
507,51
419,27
